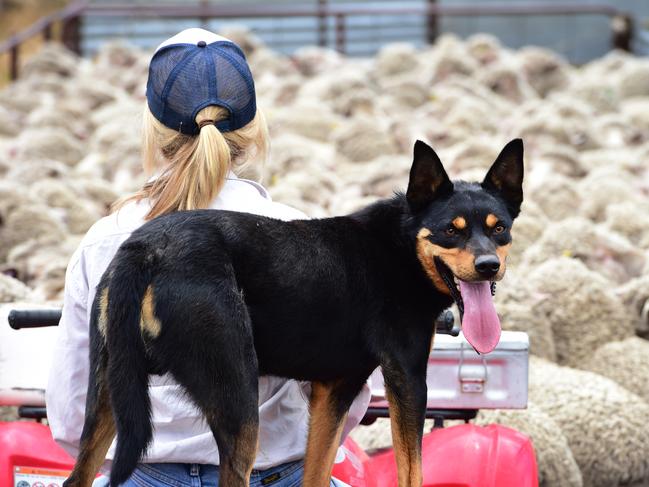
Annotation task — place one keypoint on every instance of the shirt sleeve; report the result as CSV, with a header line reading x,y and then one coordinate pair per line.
x,y
68,378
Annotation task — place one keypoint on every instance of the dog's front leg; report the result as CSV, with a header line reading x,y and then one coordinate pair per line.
x,y
406,393
330,402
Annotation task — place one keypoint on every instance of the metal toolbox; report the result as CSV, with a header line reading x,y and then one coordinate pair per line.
x,y
459,378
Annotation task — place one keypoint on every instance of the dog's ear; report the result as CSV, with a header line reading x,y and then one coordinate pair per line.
x,y
428,179
505,176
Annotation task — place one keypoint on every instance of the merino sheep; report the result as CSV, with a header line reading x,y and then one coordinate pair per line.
x,y
605,425
625,362
600,249
580,307
635,296
29,222
13,290
363,140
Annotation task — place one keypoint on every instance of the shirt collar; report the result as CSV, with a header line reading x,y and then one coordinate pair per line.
x,y
230,177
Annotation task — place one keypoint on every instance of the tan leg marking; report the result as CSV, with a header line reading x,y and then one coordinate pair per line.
x,y
148,320
238,467
491,220
103,312
407,450
324,436
93,450
459,223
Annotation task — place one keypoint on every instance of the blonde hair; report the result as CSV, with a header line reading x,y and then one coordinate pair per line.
x,y
194,167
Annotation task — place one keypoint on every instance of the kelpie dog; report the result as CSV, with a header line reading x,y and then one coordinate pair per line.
x,y
218,298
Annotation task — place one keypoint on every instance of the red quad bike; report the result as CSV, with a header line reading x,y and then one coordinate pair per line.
x,y
459,383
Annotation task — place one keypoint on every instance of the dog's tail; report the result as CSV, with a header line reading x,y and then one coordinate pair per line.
x,y
128,376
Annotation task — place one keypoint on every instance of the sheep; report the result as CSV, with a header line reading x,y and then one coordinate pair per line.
x,y
78,216
396,58
634,80
38,262
600,249
579,305
545,70
9,122
29,222
13,290
26,172
363,140
605,424
53,58
315,121
50,143
635,296
519,317
556,195
484,48
507,81
631,220
313,60
625,362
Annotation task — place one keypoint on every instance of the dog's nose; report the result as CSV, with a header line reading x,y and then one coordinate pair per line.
x,y
487,265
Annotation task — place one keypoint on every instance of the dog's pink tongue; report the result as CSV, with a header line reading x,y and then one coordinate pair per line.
x,y
480,325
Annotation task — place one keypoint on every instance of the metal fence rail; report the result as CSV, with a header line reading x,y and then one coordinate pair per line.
x,y
323,13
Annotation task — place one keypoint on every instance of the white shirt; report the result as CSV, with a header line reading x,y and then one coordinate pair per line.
x,y
180,433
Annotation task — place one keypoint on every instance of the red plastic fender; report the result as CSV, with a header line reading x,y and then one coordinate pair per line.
x,y
350,465
30,448
467,456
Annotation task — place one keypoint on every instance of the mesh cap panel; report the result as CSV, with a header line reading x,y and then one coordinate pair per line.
x,y
185,78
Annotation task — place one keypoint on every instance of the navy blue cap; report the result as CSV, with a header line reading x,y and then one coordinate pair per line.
x,y
194,69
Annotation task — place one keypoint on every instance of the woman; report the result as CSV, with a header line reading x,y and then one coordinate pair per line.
x,y
201,129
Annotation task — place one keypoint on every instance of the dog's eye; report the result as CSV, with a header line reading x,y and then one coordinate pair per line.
x,y
451,231
499,229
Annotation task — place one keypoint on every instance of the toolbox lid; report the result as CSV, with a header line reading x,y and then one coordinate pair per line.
x,y
510,341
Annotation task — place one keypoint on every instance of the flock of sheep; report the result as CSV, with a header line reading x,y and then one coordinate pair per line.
x,y
342,131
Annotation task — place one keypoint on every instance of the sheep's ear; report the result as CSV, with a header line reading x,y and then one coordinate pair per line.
x,y
505,177
428,179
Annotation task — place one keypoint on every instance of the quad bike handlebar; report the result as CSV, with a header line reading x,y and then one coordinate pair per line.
x,y
33,318
38,318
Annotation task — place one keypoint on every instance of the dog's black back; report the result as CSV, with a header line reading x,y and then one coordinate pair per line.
x,y
323,296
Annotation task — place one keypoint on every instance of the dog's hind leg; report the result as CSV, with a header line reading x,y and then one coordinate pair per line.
x,y
406,393
215,361
330,402
99,426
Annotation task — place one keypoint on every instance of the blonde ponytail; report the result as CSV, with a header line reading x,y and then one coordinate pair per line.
x,y
194,168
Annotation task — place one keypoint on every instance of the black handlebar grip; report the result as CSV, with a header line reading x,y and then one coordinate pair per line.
x,y
33,318
444,322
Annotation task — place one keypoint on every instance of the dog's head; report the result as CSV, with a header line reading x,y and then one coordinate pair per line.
x,y
462,233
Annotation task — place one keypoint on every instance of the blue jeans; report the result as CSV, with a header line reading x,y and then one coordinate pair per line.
x,y
195,475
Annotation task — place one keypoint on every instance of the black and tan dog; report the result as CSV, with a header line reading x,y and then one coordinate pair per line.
x,y
218,298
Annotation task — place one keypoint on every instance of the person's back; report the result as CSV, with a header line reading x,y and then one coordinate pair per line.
x,y
197,135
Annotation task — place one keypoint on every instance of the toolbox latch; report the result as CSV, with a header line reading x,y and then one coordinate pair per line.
x,y
472,376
